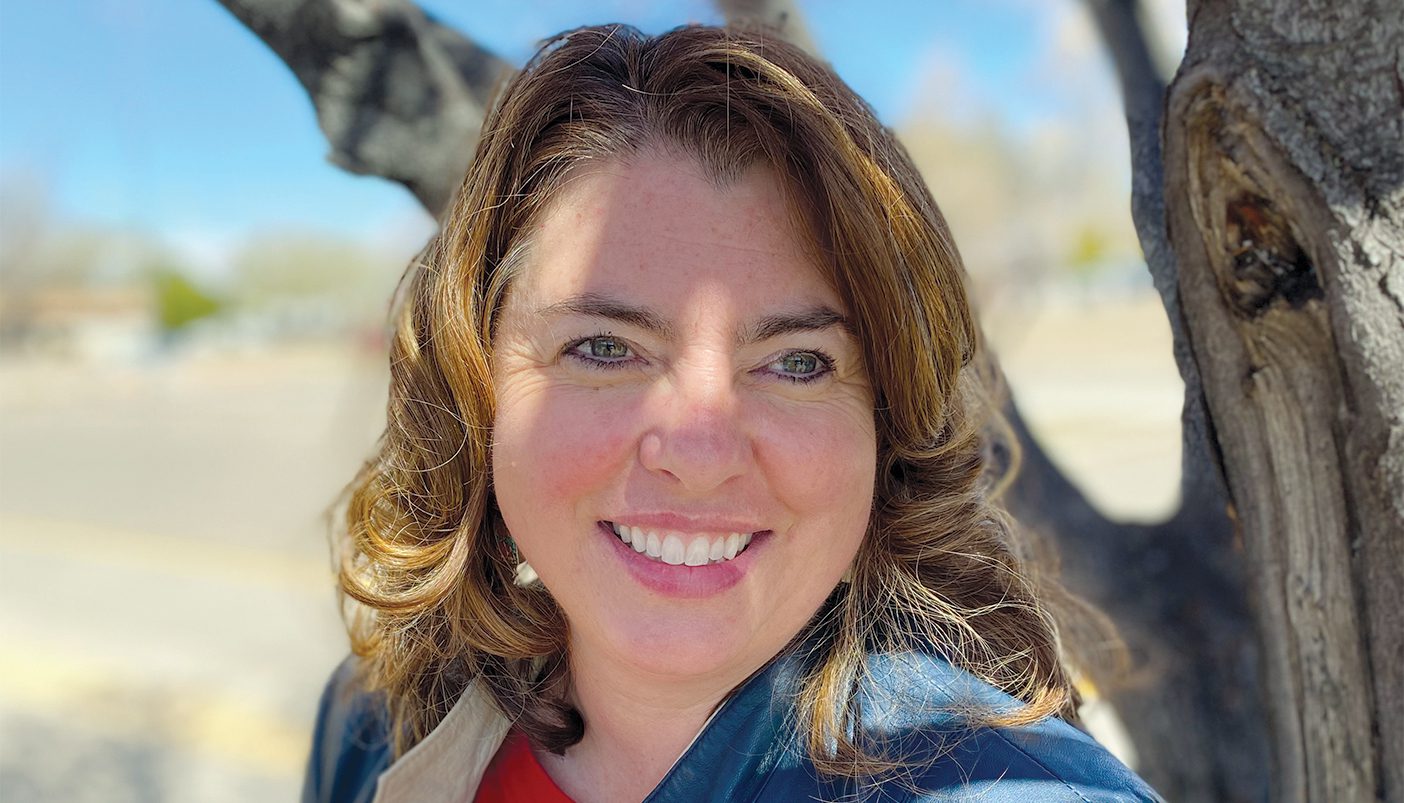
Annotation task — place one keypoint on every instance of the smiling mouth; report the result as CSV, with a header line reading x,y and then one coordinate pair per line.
x,y
676,549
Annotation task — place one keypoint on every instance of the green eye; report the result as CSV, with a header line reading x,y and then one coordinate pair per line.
x,y
604,352
608,348
800,362
803,367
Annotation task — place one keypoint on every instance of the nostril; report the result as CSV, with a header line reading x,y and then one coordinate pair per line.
x,y
651,451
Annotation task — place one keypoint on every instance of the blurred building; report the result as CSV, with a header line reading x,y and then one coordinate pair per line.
x,y
79,322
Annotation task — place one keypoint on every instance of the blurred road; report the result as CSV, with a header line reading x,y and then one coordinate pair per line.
x,y
167,614
166,606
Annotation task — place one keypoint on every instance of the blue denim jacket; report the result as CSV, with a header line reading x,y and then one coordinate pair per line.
x,y
749,752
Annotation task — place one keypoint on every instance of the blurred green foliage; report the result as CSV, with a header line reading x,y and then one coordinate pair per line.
x,y
179,302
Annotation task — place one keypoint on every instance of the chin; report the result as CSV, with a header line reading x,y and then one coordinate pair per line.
x,y
685,645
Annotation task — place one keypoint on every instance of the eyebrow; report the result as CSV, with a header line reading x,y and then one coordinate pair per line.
x,y
813,319
595,305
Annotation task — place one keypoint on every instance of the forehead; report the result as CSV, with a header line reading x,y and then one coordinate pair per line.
x,y
657,228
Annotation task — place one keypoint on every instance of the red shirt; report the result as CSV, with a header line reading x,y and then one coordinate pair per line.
x,y
515,776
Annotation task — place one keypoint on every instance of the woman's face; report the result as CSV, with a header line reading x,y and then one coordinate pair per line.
x,y
670,365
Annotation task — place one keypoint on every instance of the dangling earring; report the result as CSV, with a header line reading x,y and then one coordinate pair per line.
x,y
525,575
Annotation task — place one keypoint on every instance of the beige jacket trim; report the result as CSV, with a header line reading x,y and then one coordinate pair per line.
x,y
448,764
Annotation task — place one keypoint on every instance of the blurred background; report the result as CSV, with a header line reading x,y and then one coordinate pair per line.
x,y
192,357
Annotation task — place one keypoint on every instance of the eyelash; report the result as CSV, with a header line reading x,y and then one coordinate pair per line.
x,y
826,363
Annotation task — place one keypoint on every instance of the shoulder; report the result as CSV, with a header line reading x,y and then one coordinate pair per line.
x,y
350,741
912,706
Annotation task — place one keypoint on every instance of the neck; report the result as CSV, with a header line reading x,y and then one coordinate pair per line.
x,y
636,727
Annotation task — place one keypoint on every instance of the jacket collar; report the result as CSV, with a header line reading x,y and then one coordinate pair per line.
x,y
447,765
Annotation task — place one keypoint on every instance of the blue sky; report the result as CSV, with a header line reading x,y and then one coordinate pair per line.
x,y
170,118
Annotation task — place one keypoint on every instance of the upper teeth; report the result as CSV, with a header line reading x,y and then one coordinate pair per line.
x,y
672,549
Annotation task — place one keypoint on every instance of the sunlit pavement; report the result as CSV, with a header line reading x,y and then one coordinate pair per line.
x,y
166,607
143,667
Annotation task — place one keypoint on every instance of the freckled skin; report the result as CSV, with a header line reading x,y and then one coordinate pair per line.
x,y
696,424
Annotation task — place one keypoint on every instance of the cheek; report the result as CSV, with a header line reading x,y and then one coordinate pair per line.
x,y
822,463
559,444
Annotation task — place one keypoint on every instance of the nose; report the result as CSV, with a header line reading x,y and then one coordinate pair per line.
x,y
699,441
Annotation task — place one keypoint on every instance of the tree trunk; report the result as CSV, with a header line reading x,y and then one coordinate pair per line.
x,y
1284,168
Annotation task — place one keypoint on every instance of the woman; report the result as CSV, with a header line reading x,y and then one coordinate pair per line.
x,y
681,495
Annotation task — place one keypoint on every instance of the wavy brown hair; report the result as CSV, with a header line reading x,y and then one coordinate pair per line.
x,y
425,559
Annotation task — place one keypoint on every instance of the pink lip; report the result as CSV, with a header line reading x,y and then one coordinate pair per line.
x,y
689,582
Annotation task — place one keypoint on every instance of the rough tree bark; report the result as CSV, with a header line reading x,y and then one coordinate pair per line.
x,y
401,96
1284,171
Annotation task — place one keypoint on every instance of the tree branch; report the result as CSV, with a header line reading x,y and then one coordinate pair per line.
x,y
397,94
1143,96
